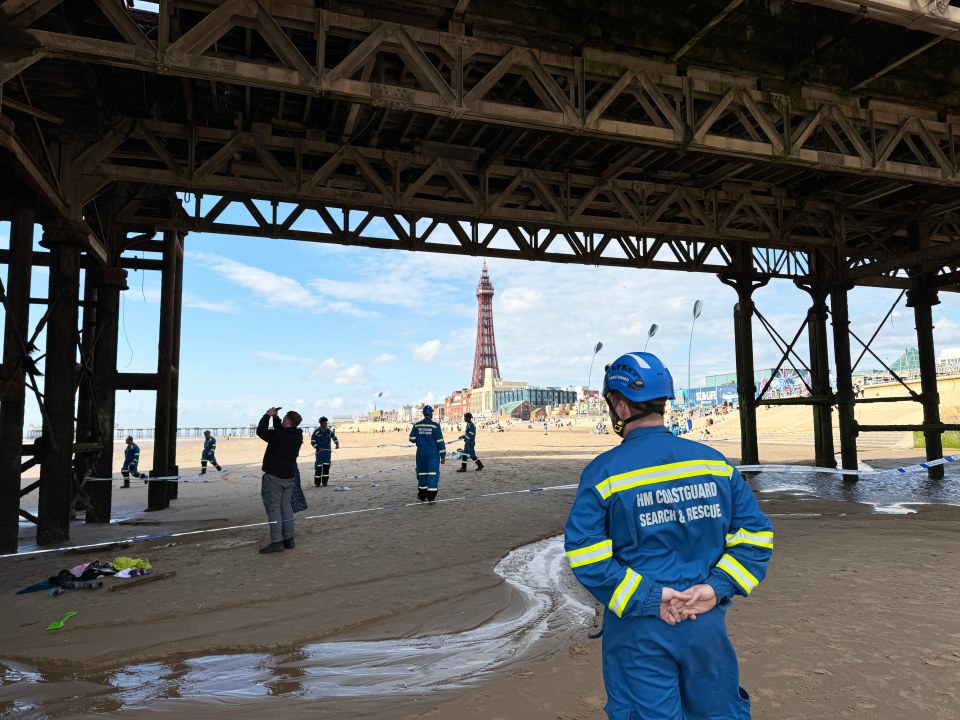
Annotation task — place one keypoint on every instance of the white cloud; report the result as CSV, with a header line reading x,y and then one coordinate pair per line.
x,y
385,358
519,299
280,357
328,404
427,351
275,290
218,306
338,373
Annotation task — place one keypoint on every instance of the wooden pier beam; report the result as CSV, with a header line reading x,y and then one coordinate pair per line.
x,y
16,333
64,238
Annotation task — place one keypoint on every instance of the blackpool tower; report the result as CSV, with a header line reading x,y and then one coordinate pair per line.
x,y
486,354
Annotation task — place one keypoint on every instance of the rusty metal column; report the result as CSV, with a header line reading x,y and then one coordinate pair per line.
x,y
820,378
109,282
16,324
845,395
64,238
158,495
84,387
175,365
745,283
746,388
922,300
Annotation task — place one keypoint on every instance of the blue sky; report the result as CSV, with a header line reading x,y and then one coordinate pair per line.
x,y
323,328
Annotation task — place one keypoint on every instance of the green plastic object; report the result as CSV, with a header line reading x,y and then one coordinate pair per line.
x,y
57,624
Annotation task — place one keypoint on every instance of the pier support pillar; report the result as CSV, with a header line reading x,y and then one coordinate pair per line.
x,y
65,238
822,399
922,299
15,359
109,282
845,394
165,436
745,283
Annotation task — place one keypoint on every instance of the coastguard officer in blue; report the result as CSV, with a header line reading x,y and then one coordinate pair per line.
x,y
663,530
209,453
469,438
321,440
131,459
431,454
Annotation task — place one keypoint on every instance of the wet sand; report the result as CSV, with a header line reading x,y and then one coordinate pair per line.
x,y
858,617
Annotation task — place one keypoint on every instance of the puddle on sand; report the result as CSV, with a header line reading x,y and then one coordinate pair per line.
x,y
549,611
888,493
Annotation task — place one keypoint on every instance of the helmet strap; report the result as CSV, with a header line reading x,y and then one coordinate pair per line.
x,y
645,409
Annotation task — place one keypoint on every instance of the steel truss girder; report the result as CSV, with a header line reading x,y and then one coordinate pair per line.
x,y
457,76
360,226
220,162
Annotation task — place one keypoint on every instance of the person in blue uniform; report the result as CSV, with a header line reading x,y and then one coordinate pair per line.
x,y
321,439
431,454
664,532
469,438
131,459
209,453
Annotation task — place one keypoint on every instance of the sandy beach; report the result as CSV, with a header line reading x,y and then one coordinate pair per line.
x,y
858,617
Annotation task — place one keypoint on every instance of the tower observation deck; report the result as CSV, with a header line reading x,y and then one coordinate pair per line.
x,y
486,352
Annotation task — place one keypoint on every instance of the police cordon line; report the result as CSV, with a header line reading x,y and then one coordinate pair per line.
x,y
866,474
164,536
743,468
789,469
455,455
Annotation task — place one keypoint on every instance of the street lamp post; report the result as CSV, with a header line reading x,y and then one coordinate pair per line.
x,y
697,309
596,349
650,333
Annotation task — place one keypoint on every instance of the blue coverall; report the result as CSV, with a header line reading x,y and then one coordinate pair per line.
x,y
209,454
660,510
321,439
131,459
428,438
209,449
470,442
469,447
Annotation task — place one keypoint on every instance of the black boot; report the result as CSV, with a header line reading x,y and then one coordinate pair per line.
x,y
463,466
432,496
219,469
325,474
316,480
273,547
203,467
288,543
421,494
479,465
126,484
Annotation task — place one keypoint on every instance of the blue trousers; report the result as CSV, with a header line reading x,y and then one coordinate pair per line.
x,y
469,450
428,470
688,671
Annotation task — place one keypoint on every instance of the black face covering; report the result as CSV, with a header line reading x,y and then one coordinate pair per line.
x,y
619,425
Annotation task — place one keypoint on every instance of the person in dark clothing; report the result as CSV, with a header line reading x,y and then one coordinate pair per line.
x,y
209,453
469,438
279,474
321,439
131,461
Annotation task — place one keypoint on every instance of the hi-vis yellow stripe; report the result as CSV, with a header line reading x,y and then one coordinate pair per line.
x,y
763,539
739,573
591,554
662,473
625,590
